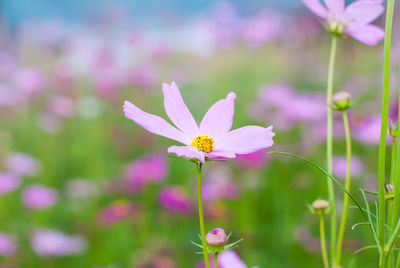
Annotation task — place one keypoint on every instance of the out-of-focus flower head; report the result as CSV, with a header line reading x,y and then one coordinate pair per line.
x,y
254,160
118,211
21,164
8,182
39,197
175,199
265,27
226,259
212,139
339,166
219,185
7,245
29,80
55,243
62,106
368,130
353,20
144,171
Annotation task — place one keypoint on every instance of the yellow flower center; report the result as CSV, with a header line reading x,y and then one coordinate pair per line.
x,y
203,143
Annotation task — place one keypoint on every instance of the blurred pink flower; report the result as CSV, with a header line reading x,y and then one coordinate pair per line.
x,y
353,20
29,80
255,160
55,243
8,182
227,259
368,131
213,139
219,186
118,211
62,106
22,165
39,197
144,171
339,166
176,200
263,28
7,245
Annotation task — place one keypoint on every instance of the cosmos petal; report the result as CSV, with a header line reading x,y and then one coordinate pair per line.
x,y
336,7
245,140
219,118
368,34
316,7
220,154
231,259
178,112
153,123
364,11
187,151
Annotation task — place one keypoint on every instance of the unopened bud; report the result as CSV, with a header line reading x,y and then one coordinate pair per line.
x,y
390,188
216,238
342,100
393,129
320,205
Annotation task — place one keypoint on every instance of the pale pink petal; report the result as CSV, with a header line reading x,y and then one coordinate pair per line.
x,y
336,7
245,140
364,11
178,112
220,154
316,7
368,34
219,118
187,151
153,123
230,259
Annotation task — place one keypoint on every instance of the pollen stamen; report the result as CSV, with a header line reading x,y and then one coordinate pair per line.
x,y
203,143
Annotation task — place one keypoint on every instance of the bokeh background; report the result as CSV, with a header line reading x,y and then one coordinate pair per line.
x,y
82,186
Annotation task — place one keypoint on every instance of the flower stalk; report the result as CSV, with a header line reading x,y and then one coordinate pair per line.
x,y
347,186
201,216
331,192
216,260
384,127
323,240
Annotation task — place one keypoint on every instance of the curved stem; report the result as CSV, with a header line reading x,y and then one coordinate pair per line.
x,y
216,260
323,240
347,186
384,127
201,216
331,192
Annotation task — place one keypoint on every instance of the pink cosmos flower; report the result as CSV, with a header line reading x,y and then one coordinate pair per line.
x,y
39,197
7,245
339,165
55,243
8,182
353,20
212,139
176,200
227,259
22,164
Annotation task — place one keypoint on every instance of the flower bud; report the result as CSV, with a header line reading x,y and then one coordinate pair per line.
x,y
320,205
216,238
390,188
342,100
393,129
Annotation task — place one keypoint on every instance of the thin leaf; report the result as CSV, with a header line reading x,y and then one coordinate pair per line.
x,y
359,224
326,173
365,248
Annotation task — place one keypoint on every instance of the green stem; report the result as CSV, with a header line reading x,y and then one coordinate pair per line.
x,y
347,186
201,216
323,240
216,260
384,127
331,192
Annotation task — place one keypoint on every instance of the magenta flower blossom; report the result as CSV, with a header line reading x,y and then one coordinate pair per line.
x,y
227,259
39,197
176,200
7,245
353,20
8,183
212,139
339,166
22,165
55,243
